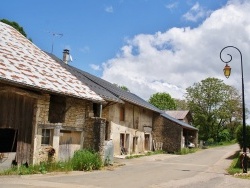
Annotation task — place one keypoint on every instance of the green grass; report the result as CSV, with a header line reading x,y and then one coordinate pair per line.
x,y
218,144
146,154
86,160
235,167
42,168
83,160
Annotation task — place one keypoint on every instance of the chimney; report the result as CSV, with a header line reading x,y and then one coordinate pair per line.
x,y
66,56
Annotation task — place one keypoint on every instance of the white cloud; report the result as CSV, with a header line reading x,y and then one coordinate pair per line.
x,y
95,67
195,13
109,9
173,60
172,6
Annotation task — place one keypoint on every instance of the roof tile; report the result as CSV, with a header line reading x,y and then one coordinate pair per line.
x,y
24,63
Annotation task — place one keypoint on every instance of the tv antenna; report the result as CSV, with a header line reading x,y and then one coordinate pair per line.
x,y
60,35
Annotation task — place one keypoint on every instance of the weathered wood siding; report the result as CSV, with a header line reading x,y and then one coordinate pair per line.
x,y
16,112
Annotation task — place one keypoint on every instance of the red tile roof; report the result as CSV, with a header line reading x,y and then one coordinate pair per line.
x,y
23,63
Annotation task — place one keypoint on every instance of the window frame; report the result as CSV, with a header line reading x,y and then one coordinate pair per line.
x,y
46,137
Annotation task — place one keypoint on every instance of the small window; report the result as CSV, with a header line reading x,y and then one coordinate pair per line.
x,y
57,109
97,109
122,113
46,136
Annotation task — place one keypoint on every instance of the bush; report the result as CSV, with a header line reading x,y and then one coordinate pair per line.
x,y
210,141
239,136
86,160
224,136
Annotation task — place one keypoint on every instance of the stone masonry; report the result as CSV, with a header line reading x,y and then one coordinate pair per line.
x,y
167,132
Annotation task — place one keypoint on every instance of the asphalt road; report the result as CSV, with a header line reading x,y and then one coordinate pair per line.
x,y
203,169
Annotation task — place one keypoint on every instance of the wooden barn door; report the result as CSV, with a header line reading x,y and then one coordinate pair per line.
x,y
16,114
70,141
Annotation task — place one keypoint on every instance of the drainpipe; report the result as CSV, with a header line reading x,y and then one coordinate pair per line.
x,y
100,110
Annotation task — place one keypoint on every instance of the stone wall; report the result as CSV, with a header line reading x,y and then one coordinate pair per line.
x,y
75,117
167,132
75,112
135,117
94,133
132,128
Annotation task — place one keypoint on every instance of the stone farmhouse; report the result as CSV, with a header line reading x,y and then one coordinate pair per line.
x,y
51,109
185,116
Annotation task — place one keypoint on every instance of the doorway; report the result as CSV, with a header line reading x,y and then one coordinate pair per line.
x,y
147,142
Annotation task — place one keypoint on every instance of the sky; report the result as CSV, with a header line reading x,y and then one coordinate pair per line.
x,y
149,46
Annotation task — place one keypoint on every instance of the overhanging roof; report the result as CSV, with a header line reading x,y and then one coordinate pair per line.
x,y
183,124
24,64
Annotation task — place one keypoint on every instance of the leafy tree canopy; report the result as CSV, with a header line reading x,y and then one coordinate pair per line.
x,y
163,101
181,104
239,137
215,107
122,87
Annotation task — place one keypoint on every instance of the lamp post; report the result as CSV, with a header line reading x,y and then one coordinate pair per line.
x,y
227,72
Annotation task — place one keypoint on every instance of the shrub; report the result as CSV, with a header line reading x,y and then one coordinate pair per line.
x,y
86,160
224,136
210,141
239,136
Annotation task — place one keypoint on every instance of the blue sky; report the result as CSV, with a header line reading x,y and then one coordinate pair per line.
x,y
94,31
148,46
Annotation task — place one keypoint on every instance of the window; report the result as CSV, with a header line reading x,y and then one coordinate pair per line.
x,y
57,109
122,113
46,136
8,140
97,109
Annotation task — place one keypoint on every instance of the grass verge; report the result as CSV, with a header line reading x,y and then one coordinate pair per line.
x,y
235,167
83,160
146,154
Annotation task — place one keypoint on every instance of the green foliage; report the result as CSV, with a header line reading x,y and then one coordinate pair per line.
x,y
224,136
42,168
82,160
236,166
86,160
210,141
122,87
181,104
215,107
16,26
147,154
239,136
163,101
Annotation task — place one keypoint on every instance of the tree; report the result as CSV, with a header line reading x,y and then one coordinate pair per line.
x,y
240,137
181,104
122,87
16,26
163,101
215,107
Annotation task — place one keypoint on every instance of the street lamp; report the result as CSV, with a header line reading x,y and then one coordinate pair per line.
x,y
227,72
